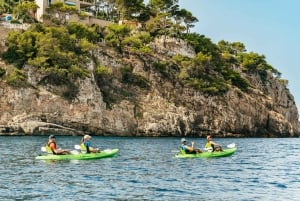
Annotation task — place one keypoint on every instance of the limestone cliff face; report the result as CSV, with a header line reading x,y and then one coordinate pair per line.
x,y
162,108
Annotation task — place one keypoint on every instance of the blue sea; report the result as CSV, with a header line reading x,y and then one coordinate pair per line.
x,y
146,169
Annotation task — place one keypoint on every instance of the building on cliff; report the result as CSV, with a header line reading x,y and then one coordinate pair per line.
x,y
81,5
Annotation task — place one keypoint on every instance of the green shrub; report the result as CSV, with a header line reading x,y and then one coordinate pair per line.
x,y
103,71
208,85
131,78
235,79
17,79
2,72
160,67
15,21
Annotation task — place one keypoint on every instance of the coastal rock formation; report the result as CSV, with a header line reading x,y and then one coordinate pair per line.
x,y
162,107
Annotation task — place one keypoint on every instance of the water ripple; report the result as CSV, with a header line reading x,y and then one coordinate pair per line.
x,y
146,169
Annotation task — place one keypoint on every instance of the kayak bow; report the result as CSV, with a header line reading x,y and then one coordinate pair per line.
x,y
81,156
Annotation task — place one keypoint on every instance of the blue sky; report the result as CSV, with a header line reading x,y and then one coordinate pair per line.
x,y
267,27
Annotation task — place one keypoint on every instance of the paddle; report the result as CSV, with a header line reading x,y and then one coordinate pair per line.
x,y
76,146
210,149
232,145
43,149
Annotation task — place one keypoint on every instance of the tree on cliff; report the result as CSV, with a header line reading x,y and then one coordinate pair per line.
x,y
65,49
61,53
6,6
116,34
130,9
26,11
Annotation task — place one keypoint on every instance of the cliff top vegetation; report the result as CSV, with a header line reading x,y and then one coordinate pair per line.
x,y
62,50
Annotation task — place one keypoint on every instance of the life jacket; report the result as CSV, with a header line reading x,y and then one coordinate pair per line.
x,y
84,148
182,151
209,146
48,148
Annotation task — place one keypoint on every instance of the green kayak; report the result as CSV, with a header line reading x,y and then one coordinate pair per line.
x,y
225,152
103,154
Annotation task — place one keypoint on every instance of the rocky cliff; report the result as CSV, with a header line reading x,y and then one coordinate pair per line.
x,y
156,106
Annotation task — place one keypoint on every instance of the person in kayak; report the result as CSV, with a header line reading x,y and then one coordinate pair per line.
x,y
185,149
86,145
51,147
211,145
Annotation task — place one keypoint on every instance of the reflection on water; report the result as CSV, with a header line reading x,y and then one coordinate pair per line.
x,y
145,169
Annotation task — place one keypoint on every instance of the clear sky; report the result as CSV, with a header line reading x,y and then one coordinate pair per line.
x,y
267,27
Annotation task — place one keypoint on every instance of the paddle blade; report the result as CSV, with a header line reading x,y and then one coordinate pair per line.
x,y
107,150
208,149
74,152
43,149
232,145
76,146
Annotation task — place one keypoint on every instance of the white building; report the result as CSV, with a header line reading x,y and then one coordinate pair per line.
x,y
80,5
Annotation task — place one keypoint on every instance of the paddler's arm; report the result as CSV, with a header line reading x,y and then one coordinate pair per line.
x,y
190,148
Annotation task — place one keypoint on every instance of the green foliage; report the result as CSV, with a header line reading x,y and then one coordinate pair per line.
x,y
162,5
159,25
204,60
16,78
21,47
160,66
103,71
201,64
231,48
201,44
130,9
213,65
255,63
14,21
235,79
130,78
138,43
167,69
82,15
6,6
182,60
116,34
209,84
25,10
77,71
200,74
82,32
2,72
61,53
50,48
185,16
284,81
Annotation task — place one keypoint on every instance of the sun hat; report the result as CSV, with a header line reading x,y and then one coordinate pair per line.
x,y
183,140
87,137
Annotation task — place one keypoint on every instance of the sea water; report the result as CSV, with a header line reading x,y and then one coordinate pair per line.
x,y
146,169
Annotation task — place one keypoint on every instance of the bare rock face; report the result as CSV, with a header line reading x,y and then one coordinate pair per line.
x,y
232,115
164,109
